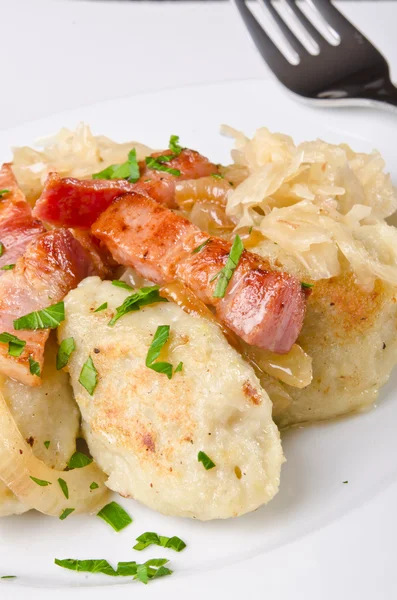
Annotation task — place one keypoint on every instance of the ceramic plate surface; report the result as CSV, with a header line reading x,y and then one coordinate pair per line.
x,y
319,538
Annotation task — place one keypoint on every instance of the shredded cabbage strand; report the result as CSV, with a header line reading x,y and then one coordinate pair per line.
x,y
319,203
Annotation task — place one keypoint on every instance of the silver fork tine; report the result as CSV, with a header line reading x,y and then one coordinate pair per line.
x,y
335,18
275,59
288,34
311,30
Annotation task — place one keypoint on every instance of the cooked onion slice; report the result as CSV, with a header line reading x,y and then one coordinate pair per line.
x,y
204,189
18,465
294,368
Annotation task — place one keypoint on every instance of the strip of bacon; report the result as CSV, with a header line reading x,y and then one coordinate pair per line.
x,y
17,226
69,202
265,308
52,265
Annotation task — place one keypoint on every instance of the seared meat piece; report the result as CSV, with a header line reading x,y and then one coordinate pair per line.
x,y
52,265
264,307
17,226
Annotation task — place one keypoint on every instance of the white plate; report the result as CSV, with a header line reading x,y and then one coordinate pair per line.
x,y
319,538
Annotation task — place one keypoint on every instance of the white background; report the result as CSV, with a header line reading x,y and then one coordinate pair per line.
x,y
60,54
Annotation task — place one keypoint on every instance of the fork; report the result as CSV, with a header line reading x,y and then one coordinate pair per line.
x,y
352,73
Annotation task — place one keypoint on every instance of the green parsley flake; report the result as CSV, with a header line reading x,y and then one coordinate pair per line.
x,y
94,486
89,376
1,248
3,193
47,444
40,482
121,284
217,176
128,170
345,482
34,367
102,307
65,513
79,460
158,164
151,569
174,146
8,577
47,318
64,352
143,297
201,246
160,339
149,538
8,267
307,285
207,462
115,516
15,345
225,275
64,487
179,367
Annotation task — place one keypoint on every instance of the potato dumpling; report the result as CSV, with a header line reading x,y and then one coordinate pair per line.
x,y
145,431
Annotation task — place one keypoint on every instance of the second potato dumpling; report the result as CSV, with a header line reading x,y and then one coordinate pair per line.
x,y
145,431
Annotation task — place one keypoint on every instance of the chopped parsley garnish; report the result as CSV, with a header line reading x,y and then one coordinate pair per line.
x,y
47,318
128,170
158,164
64,352
47,444
250,230
307,285
65,513
151,569
115,516
160,339
89,376
40,482
8,267
15,345
64,487
179,367
345,482
79,460
207,462
4,192
149,538
34,367
217,176
102,307
201,246
143,297
8,577
225,275
122,284
174,145
94,486
1,248
87,566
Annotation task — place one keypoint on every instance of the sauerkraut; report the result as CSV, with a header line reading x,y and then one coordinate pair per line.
x,y
76,153
323,205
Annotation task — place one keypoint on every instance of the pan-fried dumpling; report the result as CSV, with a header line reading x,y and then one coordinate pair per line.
x,y
43,414
351,335
146,431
